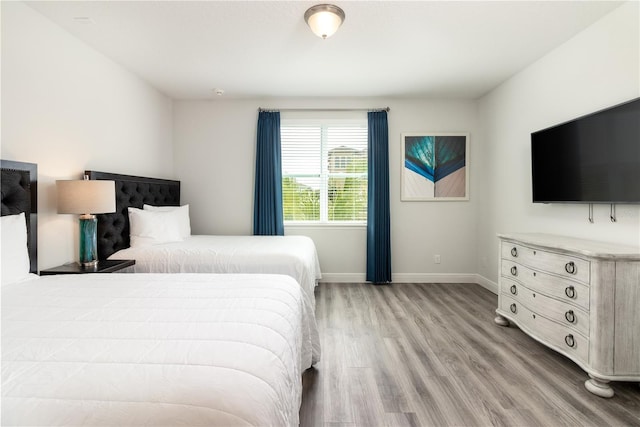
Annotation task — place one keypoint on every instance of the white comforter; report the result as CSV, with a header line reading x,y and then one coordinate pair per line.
x,y
147,349
294,256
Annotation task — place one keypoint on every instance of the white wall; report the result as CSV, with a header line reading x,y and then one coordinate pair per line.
x,y
68,108
214,152
596,69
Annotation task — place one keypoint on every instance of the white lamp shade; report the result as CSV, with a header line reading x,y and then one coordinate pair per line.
x,y
324,19
86,197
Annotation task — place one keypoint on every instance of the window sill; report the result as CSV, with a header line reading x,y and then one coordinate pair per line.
x,y
325,225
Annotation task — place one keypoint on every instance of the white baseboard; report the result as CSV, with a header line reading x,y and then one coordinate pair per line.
x,y
416,278
487,284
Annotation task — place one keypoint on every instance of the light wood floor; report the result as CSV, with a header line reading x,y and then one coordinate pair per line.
x,y
431,355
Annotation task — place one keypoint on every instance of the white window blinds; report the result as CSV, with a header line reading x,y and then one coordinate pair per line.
x,y
324,172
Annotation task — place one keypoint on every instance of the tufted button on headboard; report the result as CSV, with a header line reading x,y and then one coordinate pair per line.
x,y
131,191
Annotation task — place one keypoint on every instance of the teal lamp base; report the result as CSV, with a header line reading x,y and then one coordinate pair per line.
x,y
88,240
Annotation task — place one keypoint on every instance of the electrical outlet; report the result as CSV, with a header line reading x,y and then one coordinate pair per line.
x,y
436,259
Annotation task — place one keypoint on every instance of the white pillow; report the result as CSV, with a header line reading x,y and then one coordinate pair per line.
x,y
152,228
183,213
15,255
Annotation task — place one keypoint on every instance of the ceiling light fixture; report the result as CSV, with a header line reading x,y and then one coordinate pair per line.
x,y
324,19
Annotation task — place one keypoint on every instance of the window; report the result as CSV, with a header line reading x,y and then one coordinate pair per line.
x,y
324,171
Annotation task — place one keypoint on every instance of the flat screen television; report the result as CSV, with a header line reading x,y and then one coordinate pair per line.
x,y
592,159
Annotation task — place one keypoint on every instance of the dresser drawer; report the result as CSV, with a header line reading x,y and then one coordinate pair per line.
x,y
551,333
565,290
559,311
562,265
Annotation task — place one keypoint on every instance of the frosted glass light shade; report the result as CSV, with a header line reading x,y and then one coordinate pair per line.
x,y
324,19
86,197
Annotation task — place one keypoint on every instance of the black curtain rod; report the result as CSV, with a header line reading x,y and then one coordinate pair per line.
x,y
387,109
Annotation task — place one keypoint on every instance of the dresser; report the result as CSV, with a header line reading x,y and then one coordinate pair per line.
x,y
579,297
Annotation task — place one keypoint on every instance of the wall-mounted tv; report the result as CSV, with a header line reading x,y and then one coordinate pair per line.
x,y
592,159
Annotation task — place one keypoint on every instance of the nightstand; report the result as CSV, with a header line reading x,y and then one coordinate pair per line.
x,y
106,266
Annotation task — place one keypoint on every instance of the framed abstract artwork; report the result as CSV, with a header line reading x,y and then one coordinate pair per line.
x,y
435,166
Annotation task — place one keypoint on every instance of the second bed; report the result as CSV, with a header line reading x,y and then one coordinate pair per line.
x,y
294,256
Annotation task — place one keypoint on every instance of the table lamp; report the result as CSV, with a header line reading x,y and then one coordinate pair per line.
x,y
86,198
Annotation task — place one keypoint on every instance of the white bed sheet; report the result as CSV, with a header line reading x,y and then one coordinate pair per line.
x,y
295,256
147,349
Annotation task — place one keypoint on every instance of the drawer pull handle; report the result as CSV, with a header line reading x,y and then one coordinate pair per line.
x,y
513,308
570,291
570,267
514,290
570,341
514,271
514,252
570,316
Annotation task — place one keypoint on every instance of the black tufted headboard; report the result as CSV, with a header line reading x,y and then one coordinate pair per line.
x,y
20,194
131,191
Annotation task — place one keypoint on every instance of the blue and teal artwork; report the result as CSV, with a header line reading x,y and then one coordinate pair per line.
x,y
434,167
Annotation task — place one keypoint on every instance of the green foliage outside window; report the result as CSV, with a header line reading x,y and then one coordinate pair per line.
x,y
300,202
347,196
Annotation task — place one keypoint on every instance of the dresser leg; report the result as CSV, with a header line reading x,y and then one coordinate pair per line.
x,y
598,387
501,321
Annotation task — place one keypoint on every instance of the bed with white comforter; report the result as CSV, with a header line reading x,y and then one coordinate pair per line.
x,y
294,256
153,349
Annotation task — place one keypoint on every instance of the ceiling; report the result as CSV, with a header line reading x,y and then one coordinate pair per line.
x,y
437,49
